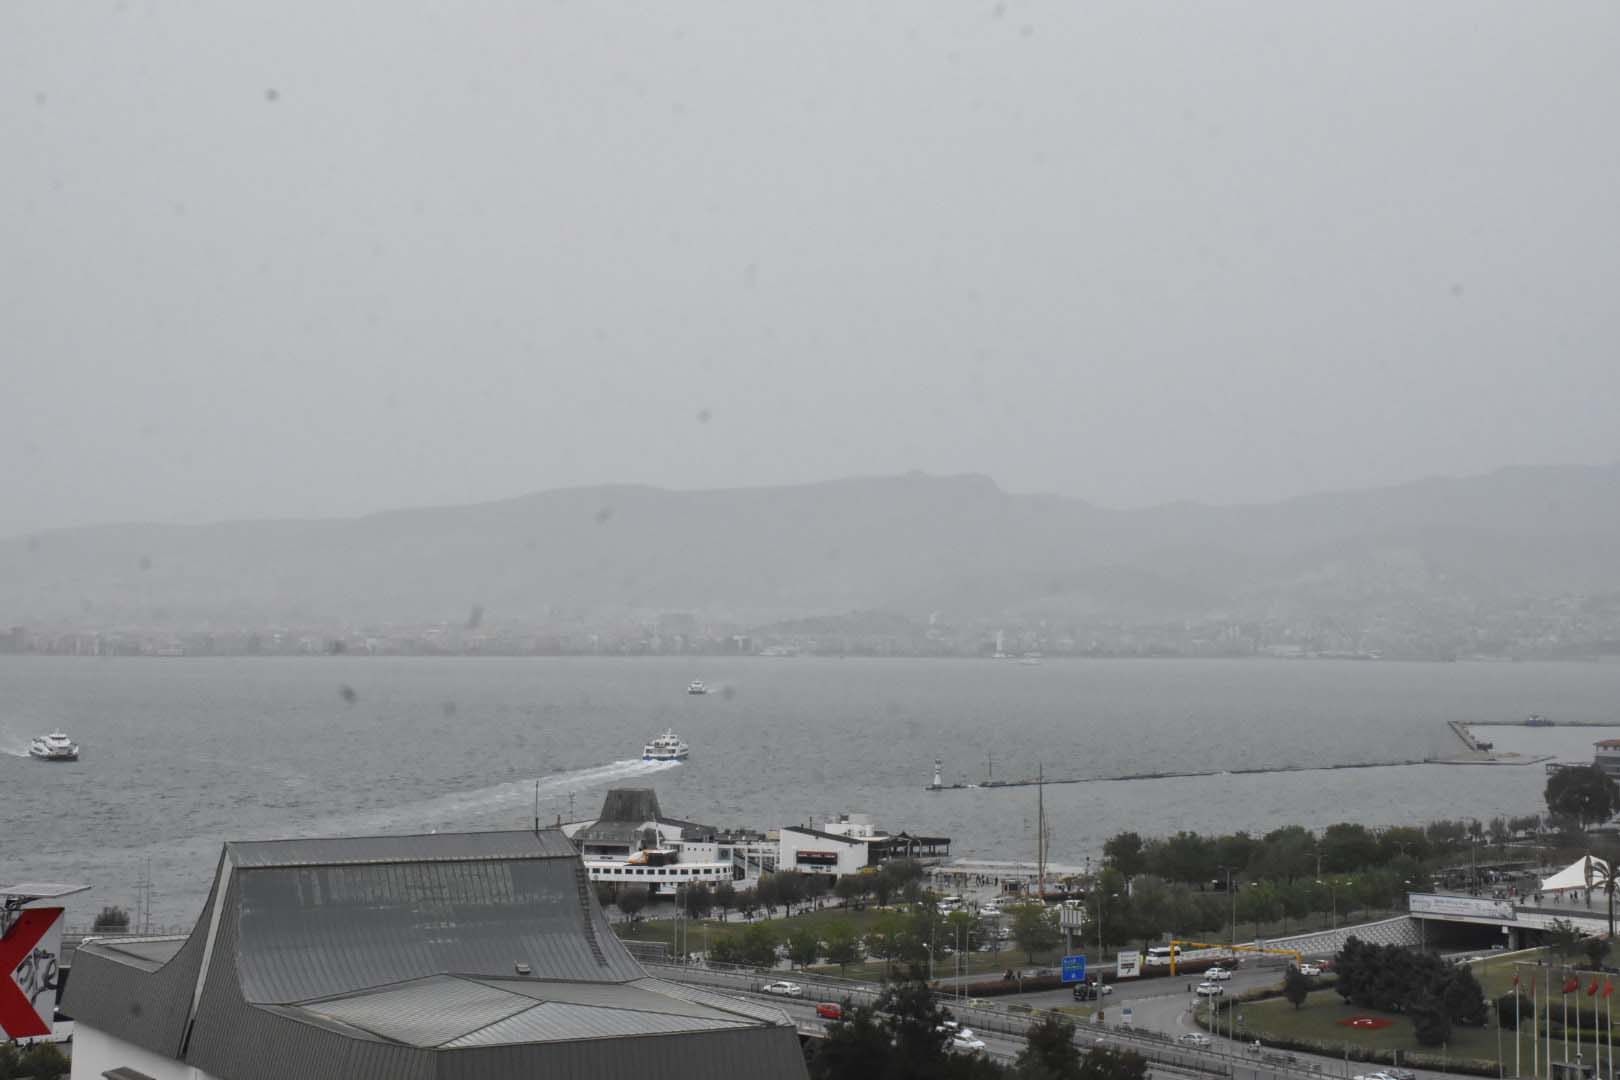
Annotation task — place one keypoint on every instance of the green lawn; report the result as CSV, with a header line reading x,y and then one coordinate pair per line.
x,y
1317,1023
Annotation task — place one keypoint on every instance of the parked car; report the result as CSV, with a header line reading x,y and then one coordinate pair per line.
x,y
1310,969
1210,989
1194,1038
1400,1074
783,988
1217,974
966,1040
829,1010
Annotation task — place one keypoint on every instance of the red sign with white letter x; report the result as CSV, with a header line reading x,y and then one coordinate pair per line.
x,y
28,958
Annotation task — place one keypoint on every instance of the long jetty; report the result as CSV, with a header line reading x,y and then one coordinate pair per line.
x,y
1473,754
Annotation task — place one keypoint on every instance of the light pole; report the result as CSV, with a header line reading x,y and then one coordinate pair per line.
x,y
1232,897
1333,900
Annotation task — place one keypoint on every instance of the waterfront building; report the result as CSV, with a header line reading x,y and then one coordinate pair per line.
x,y
405,958
1606,756
849,844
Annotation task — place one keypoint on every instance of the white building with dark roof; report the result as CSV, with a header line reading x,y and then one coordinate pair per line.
x,y
474,955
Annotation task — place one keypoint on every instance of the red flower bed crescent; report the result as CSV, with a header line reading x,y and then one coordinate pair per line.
x,y
1366,1022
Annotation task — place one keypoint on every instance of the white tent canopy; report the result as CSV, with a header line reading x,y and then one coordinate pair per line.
x,y
1573,876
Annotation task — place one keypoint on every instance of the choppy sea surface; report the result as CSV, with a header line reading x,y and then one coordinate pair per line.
x,y
183,754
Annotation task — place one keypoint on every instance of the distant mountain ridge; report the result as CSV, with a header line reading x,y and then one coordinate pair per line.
x,y
911,544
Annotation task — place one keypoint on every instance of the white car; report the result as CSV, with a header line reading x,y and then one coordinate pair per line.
x,y
1210,989
1310,969
989,911
783,989
966,1040
1217,974
1194,1038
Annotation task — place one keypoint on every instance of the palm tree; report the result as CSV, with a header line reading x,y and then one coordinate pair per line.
x,y
1606,876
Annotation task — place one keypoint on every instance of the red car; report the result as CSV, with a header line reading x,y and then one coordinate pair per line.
x,y
830,1010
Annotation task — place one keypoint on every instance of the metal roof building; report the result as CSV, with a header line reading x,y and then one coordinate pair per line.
x,y
407,958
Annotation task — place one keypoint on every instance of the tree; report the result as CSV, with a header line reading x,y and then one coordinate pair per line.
x,y
1346,847
843,947
1430,1024
1125,854
1106,1063
857,1045
630,901
1463,999
111,920
725,950
697,900
883,940
604,894
1583,792
1606,876
748,903
725,898
1296,987
756,945
1049,1051
804,946
917,1022
1596,949
1563,938
850,888
1034,929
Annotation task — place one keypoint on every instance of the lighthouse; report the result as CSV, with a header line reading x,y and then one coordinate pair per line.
x,y
938,783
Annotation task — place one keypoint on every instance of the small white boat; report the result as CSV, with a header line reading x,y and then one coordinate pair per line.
x,y
54,747
667,747
696,687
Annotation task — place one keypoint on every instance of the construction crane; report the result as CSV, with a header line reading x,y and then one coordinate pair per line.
x,y
1177,946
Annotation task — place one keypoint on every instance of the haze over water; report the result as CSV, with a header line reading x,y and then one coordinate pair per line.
x,y
181,755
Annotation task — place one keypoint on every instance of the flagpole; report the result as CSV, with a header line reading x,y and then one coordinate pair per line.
x,y
1518,1041
1535,1030
1608,1008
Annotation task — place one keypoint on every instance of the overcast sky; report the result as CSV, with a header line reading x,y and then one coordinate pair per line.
x,y
326,258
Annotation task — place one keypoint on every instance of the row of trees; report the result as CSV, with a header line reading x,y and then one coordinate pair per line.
x,y
904,1037
787,890
896,937
1294,852
1152,908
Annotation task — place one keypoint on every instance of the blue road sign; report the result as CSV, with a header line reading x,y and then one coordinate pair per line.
x,y
1074,969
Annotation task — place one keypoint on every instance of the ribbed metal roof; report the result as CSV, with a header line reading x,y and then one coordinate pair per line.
x,y
553,1021
150,953
428,1012
329,930
432,847
635,995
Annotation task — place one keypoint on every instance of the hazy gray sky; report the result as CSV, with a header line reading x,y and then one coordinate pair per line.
x,y
325,258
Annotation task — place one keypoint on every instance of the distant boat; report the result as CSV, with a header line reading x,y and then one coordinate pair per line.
x,y
696,687
1537,720
54,747
666,747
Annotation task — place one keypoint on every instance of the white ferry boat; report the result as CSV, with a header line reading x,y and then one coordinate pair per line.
x,y
54,747
666,747
696,687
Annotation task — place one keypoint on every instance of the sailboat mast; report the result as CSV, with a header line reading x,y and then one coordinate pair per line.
x,y
1040,828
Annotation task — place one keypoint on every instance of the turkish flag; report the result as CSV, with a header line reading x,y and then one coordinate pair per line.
x,y
1590,990
28,972
1608,987
1572,985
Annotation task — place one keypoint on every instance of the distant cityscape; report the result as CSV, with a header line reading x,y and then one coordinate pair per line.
x,y
1567,628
